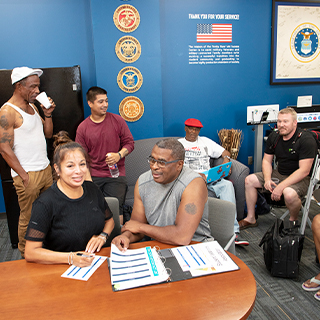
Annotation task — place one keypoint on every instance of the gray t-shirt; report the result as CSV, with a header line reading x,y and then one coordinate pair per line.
x,y
161,201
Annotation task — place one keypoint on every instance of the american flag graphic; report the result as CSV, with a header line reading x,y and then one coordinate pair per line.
x,y
214,32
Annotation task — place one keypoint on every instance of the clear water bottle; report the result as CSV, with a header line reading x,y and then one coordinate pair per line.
x,y
114,171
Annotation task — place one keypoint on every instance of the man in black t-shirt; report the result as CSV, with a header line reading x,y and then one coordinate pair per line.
x,y
295,152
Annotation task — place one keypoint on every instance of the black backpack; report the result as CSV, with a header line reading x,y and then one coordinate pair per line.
x,y
282,248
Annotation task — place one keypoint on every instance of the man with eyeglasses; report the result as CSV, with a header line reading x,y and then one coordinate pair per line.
x,y
199,148
170,201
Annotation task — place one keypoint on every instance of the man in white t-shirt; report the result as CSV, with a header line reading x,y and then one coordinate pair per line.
x,y
198,151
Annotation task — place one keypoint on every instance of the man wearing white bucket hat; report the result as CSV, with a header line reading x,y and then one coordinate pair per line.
x,y
23,144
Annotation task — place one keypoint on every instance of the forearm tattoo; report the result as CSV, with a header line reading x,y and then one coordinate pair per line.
x,y
6,137
191,208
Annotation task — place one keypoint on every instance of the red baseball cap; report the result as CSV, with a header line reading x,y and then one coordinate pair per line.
x,y
193,123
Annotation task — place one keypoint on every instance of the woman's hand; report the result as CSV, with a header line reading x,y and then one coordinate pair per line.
x,y
80,259
95,244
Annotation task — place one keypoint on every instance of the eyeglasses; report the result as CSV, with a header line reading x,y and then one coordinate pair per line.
x,y
160,163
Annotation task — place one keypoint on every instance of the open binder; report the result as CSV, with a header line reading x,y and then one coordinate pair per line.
x,y
147,266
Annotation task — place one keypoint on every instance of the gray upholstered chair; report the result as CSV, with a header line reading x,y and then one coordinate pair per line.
x,y
221,220
113,204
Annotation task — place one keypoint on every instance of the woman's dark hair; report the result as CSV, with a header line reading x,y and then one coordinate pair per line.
x,y
62,145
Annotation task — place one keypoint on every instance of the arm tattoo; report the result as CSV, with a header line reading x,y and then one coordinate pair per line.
x,y
6,138
4,122
191,208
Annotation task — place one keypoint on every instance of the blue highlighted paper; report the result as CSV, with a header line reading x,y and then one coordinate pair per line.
x,y
85,273
126,273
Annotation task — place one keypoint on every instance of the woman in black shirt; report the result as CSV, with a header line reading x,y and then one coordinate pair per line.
x,y
72,215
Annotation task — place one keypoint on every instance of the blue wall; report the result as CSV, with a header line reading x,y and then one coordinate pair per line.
x,y
108,65
218,95
47,33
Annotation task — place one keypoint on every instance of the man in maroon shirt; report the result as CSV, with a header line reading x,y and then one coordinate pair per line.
x,y
107,139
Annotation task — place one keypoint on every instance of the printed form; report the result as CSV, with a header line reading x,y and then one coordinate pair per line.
x,y
135,268
204,258
84,273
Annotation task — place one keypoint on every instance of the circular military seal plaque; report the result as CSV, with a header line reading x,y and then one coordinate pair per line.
x,y
129,79
304,42
128,49
131,108
126,18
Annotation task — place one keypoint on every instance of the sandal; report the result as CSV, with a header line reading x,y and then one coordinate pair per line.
x,y
317,296
317,288
244,224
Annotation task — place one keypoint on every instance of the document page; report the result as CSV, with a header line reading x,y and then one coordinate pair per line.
x,y
204,258
135,268
85,273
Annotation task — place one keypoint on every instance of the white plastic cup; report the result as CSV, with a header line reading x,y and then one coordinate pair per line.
x,y
43,99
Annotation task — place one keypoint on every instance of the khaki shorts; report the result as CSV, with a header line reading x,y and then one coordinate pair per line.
x,y
301,187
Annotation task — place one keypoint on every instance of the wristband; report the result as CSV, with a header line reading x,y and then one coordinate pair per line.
x,y
119,155
104,235
48,116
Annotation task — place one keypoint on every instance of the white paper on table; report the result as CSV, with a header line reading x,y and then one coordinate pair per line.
x,y
135,268
84,273
204,258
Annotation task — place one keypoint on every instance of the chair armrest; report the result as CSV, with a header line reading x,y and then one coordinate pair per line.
x,y
113,204
221,221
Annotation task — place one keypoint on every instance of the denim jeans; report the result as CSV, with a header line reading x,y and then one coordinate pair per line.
x,y
225,191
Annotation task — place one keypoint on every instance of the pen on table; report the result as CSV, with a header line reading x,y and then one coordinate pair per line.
x,y
84,255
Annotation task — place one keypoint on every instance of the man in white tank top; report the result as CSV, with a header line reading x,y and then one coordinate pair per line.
x,y
23,144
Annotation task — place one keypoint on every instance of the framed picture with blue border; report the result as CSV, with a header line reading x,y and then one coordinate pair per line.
x,y
295,47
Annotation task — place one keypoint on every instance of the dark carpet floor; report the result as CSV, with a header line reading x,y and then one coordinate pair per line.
x,y
277,298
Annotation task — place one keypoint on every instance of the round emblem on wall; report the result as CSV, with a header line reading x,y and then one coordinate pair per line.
x,y
129,79
126,18
304,42
131,109
128,49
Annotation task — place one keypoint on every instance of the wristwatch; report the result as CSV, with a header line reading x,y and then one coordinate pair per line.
x,y
227,157
104,234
